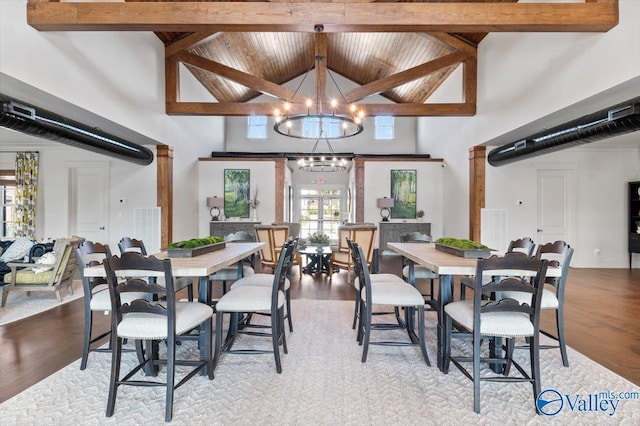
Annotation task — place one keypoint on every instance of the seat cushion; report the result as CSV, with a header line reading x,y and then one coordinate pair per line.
x,y
378,278
500,324
100,301
231,273
28,276
152,327
260,280
248,299
420,272
395,294
549,299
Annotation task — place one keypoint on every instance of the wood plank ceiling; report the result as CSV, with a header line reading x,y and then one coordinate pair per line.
x,y
243,56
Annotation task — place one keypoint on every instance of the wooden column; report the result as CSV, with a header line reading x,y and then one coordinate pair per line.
x,y
477,156
280,165
359,172
164,155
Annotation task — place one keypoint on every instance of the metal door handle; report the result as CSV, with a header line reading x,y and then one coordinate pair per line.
x,y
538,230
102,227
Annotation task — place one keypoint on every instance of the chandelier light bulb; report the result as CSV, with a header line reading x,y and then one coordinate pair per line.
x,y
361,114
309,103
276,112
322,158
287,106
353,108
334,103
288,124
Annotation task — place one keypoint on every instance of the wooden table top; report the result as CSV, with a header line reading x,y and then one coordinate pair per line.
x,y
199,266
442,263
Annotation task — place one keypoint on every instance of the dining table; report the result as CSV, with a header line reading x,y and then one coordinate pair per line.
x,y
446,266
199,268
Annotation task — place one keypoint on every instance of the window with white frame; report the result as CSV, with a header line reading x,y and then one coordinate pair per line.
x,y
257,127
311,127
384,127
7,203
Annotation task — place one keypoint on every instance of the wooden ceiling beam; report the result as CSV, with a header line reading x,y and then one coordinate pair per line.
x,y
187,42
403,77
598,16
244,109
320,50
240,77
455,42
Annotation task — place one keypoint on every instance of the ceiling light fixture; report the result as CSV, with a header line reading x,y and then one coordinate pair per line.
x,y
334,119
322,163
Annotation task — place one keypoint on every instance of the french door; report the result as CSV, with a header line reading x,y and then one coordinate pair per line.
x,y
320,211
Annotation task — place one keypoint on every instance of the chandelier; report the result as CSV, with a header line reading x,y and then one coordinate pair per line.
x,y
318,118
320,162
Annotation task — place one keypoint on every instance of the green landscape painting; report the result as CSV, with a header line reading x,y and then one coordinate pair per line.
x,y
403,192
236,193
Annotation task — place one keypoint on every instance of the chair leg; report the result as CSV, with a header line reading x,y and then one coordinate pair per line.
x,y
88,323
284,335
423,345
58,295
365,318
448,328
476,373
275,340
190,293
356,310
561,337
509,355
116,353
288,301
218,339
534,355
3,294
208,352
171,377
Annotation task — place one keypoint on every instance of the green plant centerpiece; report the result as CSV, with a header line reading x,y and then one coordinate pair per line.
x,y
319,239
463,248
195,246
196,242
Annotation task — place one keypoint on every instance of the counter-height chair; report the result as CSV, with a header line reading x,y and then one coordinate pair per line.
x,y
96,295
364,235
420,272
479,320
521,245
230,273
375,278
266,280
249,299
128,244
144,321
395,294
559,255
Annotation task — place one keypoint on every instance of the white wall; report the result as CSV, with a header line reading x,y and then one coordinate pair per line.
x,y
211,182
117,75
521,78
429,195
364,143
52,212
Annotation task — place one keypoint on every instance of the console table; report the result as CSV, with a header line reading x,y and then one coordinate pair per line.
x,y
221,228
390,231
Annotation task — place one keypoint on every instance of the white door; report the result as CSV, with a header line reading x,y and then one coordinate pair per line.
x,y
88,202
555,205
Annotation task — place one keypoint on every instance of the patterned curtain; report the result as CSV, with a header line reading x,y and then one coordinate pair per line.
x,y
26,193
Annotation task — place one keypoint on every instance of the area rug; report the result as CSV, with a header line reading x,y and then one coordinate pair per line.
x,y
323,383
20,306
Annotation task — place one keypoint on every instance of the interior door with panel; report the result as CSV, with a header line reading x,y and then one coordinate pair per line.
x,y
89,202
554,205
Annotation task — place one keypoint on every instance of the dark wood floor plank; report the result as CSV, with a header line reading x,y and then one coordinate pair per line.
x,y
602,308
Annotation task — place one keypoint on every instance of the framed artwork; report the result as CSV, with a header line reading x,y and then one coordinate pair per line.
x,y
403,192
236,192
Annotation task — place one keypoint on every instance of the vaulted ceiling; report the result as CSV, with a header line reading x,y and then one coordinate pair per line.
x,y
402,51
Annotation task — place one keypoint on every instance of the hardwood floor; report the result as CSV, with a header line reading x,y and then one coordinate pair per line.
x,y
602,309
